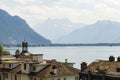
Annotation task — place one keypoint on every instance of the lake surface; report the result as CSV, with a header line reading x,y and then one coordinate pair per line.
x,y
74,54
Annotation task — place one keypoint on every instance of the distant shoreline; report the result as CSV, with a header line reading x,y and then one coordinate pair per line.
x,y
55,45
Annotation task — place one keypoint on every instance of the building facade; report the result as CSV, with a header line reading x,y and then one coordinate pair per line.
x,y
28,66
101,70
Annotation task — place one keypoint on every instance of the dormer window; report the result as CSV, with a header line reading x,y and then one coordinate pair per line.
x,y
54,70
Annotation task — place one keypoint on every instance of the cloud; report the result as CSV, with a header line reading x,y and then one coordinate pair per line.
x,y
80,11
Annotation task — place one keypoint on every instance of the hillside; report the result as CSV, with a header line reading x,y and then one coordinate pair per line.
x,y
13,30
100,32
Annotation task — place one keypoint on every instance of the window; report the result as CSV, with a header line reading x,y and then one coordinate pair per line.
x,y
6,75
3,65
15,77
34,78
76,78
31,78
34,68
9,65
25,66
58,78
0,77
64,79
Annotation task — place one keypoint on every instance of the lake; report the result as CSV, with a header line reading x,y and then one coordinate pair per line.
x,y
74,54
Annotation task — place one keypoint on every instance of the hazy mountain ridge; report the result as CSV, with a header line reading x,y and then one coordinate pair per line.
x,y
55,28
100,32
13,30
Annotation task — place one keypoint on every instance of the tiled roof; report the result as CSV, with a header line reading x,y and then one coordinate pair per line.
x,y
106,66
16,70
62,70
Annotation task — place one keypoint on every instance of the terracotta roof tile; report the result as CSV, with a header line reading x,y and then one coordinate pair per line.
x,y
107,66
62,70
17,69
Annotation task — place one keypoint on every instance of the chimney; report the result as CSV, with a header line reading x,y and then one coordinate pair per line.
x,y
83,66
66,60
118,59
54,70
111,58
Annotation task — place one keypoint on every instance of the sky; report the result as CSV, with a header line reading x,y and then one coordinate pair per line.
x,y
77,11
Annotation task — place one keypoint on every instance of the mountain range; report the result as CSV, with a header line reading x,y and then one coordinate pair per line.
x,y
55,28
100,32
13,30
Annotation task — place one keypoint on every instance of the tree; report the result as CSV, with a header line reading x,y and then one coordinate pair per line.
x,y
5,52
1,49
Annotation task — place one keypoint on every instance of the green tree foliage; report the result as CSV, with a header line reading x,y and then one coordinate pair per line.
x,y
4,52
1,48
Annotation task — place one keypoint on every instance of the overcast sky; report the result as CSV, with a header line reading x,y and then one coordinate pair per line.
x,y
78,11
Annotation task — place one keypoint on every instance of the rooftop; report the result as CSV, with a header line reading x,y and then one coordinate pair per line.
x,y
109,67
62,70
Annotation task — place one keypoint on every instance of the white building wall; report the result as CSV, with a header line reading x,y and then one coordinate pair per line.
x,y
6,65
38,58
62,78
27,70
35,58
18,77
24,77
5,76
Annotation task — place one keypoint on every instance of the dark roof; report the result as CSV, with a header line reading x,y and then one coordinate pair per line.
x,y
32,73
24,43
62,70
106,66
16,70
